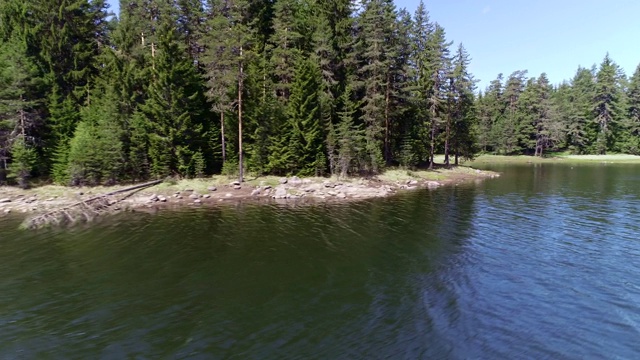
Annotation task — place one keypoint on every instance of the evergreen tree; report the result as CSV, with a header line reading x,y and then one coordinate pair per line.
x,y
436,70
20,106
607,105
549,131
376,53
580,129
175,109
96,153
263,115
230,39
632,127
23,159
350,138
509,127
462,113
303,112
285,40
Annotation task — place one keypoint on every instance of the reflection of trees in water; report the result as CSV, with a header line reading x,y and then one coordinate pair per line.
x,y
314,280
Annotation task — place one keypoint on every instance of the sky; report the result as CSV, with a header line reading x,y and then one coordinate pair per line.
x,y
550,36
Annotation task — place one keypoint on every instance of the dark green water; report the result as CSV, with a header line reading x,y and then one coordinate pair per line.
x,y
543,262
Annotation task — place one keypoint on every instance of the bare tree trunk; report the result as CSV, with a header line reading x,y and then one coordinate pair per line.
x,y
224,145
446,141
387,130
22,117
433,144
240,85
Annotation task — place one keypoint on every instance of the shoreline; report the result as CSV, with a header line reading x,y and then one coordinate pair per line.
x,y
219,190
555,158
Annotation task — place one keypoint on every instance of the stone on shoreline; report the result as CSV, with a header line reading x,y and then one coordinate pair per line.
x,y
5,200
153,198
255,192
281,192
283,180
432,184
212,188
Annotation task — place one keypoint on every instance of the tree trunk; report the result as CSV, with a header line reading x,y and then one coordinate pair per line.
x,y
240,85
446,141
224,146
433,144
387,130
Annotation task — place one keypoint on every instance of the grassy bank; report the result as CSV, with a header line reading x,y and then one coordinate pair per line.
x,y
225,189
556,158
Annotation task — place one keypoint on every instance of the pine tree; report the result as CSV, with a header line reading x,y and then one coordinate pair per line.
x,y
349,138
463,111
191,24
175,109
435,72
23,159
263,115
64,117
20,108
490,113
510,132
548,129
306,143
285,40
376,53
632,126
230,40
580,129
607,105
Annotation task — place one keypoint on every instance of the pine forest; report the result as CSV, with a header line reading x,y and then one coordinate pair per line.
x,y
190,88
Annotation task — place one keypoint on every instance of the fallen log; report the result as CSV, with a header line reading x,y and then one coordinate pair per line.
x,y
87,209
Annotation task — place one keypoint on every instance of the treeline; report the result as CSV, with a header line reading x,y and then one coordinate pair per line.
x,y
192,87
309,87
596,112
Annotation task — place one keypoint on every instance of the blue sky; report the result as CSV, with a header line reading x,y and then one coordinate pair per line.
x,y
552,36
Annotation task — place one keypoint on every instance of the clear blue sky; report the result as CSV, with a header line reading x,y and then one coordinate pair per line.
x,y
552,36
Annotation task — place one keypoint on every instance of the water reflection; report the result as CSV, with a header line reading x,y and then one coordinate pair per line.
x,y
538,264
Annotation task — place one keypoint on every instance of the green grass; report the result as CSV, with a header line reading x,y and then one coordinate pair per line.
x,y
440,174
556,158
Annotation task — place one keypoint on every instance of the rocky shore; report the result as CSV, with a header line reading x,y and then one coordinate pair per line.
x,y
216,190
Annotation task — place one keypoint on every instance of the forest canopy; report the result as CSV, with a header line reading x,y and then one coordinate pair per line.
x,y
309,87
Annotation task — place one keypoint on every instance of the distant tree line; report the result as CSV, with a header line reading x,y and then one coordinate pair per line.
x,y
310,87
596,112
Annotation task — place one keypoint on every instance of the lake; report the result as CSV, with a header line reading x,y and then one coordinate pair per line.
x,y
543,262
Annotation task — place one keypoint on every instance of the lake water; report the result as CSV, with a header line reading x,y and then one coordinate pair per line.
x,y
541,263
